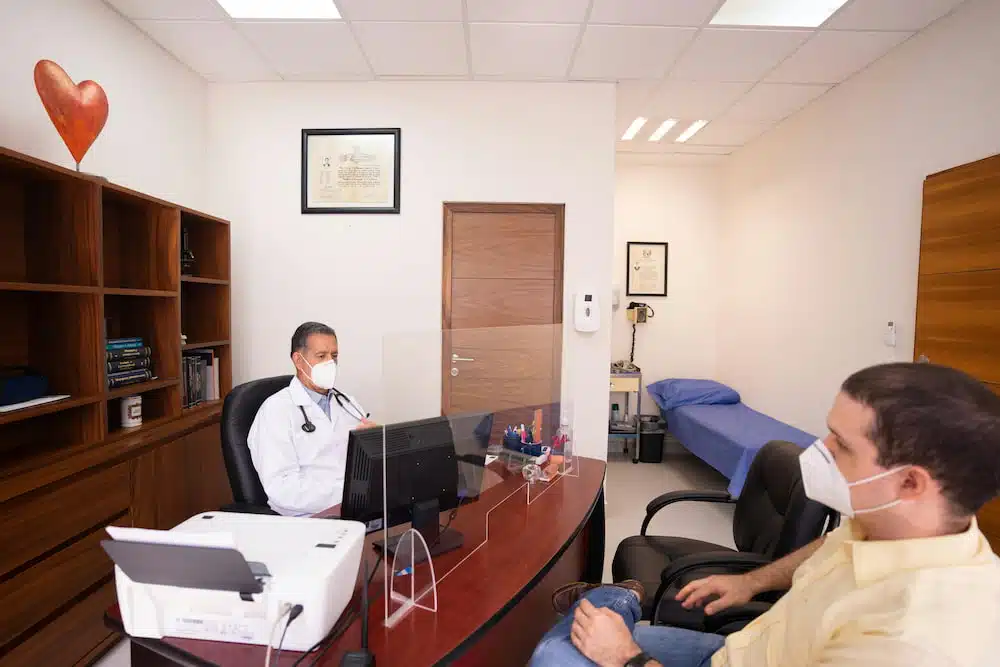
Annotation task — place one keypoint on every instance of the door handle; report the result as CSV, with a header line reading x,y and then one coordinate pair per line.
x,y
455,358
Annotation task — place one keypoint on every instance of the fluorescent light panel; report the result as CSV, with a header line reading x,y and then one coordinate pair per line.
x,y
280,9
633,129
693,129
778,13
662,130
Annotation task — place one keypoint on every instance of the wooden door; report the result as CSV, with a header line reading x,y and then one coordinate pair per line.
x,y
502,309
958,289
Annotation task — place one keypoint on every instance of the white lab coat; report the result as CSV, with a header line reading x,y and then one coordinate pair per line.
x,y
302,473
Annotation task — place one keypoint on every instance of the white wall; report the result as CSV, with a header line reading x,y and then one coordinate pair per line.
x,y
377,276
823,227
154,140
683,206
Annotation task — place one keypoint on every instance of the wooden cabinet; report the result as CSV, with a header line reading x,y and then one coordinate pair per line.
x,y
83,260
958,288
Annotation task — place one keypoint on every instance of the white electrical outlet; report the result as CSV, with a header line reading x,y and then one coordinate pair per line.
x,y
889,337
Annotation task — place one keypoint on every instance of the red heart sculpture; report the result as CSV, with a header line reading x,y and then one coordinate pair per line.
x,y
79,112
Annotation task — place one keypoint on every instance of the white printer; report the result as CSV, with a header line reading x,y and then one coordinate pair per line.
x,y
230,577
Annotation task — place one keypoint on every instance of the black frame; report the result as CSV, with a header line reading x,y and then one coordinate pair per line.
x,y
395,132
628,267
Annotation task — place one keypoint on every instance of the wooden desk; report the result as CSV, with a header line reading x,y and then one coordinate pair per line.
x,y
492,609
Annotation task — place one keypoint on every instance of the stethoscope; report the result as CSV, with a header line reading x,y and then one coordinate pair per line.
x,y
340,397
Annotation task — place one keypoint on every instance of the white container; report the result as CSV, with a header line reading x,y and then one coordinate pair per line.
x,y
131,411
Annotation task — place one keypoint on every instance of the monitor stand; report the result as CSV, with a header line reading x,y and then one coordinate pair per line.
x,y
426,520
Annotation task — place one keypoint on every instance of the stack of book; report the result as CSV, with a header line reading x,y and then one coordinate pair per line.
x,y
201,377
129,362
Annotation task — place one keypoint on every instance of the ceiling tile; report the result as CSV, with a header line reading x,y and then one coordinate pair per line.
x,y
723,54
309,48
911,15
774,101
653,12
669,146
209,49
414,49
400,10
628,52
832,56
180,10
528,11
631,96
524,51
695,99
727,132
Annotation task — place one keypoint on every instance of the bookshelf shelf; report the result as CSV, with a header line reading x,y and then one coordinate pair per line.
x,y
48,287
202,346
204,281
46,409
141,388
84,261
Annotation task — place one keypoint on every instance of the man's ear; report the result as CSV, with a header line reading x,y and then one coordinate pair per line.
x,y
916,482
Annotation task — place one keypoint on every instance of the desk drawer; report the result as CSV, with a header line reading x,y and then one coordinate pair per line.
x,y
42,521
624,383
70,637
32,595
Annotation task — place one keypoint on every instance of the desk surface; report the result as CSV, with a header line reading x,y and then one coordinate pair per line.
x,y
525,542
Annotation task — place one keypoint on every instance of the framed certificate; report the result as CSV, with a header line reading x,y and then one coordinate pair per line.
x,y
647,269
350,171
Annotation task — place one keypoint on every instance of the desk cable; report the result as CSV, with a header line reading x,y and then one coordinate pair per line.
x,y
292,612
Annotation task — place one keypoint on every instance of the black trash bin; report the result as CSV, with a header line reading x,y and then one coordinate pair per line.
x,y
651,446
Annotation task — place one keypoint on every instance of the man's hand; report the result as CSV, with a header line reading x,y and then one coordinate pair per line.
x,y
602,636
730,589
366,423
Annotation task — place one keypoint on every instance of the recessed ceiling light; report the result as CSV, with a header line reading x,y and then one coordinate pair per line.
x,y
692,130
281,9
662,130
633,129
779,13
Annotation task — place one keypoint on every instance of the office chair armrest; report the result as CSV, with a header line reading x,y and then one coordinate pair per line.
x,y
736,562
735,618
658,503
247,508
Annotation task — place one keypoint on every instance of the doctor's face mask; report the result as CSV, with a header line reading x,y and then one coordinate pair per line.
x,y
319,361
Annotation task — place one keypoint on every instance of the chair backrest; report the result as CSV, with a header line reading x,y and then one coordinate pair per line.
x,y
238,413
773,515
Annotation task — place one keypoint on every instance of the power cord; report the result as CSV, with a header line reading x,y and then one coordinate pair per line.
x,y
286,610
293,614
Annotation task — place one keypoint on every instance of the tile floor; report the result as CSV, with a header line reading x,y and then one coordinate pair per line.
x,y
629,488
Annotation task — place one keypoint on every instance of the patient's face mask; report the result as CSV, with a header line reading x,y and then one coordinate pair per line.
x,y
323,374
825,484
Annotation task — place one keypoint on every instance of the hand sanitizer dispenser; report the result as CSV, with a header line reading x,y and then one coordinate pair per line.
x,y
587,313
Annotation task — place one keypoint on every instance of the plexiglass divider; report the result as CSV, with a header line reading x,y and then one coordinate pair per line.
x,y
465,414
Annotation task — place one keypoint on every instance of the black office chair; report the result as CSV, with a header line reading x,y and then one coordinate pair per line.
x,y
773,518
238,413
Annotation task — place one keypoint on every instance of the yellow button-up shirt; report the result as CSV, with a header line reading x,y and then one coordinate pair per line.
x,y
931,602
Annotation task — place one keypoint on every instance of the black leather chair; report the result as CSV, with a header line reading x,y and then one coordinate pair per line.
x,y
773,517
238,413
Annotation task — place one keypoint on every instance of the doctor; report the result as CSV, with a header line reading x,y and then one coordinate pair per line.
x,y
298,440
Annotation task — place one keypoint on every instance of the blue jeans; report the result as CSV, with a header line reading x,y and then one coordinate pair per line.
x,y
671,647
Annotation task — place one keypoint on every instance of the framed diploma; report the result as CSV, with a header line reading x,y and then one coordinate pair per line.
x,y
350,171
647,269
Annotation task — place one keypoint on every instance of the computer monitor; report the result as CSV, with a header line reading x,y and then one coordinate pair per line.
x,y
421,479
471,432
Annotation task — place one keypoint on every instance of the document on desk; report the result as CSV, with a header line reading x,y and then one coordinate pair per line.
x,y
219,540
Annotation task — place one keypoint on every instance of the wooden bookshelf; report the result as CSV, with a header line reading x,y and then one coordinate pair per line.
x,y
83,260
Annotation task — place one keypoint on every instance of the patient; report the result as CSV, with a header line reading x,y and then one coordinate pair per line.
x,y
912,454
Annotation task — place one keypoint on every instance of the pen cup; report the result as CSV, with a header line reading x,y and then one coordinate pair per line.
x,y
512,441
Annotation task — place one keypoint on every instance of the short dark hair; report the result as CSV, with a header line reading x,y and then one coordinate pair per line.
x,y
306,329
938,418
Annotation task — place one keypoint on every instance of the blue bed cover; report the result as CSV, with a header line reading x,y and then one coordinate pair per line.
x,y
727,437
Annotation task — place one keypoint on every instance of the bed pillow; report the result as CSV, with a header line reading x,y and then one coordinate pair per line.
x,y
675,392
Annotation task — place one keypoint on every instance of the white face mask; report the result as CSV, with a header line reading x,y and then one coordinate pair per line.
x,y
825,484
323,374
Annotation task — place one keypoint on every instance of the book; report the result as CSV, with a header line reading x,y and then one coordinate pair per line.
x,y
124,340
126,345
122,365
129,353
116,380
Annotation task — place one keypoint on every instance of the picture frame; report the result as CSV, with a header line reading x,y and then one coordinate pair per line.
x,y
351,170
646,268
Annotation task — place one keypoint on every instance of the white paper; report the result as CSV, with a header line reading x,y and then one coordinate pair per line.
x,y
32,403
219,540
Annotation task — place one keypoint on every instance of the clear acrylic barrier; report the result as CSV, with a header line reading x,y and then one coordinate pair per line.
x,y
463,412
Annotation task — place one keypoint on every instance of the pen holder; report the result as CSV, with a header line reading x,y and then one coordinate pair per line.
x,y
513,442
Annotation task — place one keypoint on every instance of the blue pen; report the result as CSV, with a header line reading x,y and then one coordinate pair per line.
x,y
404,572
